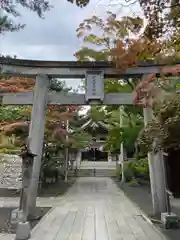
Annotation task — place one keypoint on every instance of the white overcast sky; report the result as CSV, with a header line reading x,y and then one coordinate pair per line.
x,y
54,38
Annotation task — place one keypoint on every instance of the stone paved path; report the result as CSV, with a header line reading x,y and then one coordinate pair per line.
x,y
94,209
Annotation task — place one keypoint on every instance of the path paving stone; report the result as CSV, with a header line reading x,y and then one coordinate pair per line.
x,y
95,209
7,236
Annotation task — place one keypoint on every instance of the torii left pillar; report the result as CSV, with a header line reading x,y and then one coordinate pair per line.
x,y
36,137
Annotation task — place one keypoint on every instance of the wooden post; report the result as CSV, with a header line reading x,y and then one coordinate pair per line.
x,y
36,137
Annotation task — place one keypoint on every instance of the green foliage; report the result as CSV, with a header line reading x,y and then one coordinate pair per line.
x,y
4,150
14,118
10,151
129,172
7,24
99,37
130,135
132,119
96,113
11,114
7,146
135,170
134,183
79,139
99,46
163,132
9,8
58,85
142,169
86,54
127,134
79,3
50,164
9,11
162,15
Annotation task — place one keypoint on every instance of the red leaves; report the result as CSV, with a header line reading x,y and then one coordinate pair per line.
x,y
59,133
146,92
16,84
14,127
22,84
174,70
73,108
55,118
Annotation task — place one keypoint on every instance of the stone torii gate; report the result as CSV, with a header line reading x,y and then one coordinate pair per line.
x,y
94,73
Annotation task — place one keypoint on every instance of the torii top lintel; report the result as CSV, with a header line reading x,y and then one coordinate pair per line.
x,y
74,69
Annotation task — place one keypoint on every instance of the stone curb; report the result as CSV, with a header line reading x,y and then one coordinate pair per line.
x,y
153,226
7,236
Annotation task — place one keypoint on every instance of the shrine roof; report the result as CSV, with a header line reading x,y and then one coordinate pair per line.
x,y
92,124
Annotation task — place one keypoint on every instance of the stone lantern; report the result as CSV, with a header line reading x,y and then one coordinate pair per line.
x,y
27,164
23,229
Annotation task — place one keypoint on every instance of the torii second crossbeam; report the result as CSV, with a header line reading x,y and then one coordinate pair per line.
x,y
26,98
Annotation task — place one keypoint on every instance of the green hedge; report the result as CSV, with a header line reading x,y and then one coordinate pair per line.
x,y
135,169
8,148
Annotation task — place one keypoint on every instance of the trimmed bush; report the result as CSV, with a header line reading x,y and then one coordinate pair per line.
x,y
141,169
4,150
129,171
135,169
7,146
134,183
118,172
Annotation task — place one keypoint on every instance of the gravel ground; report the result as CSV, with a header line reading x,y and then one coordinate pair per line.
x,y
5,213
51,190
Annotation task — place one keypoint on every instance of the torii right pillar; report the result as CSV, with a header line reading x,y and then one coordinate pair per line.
x,y
157,173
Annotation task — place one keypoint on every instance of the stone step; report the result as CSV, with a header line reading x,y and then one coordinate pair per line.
x,y
96,173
